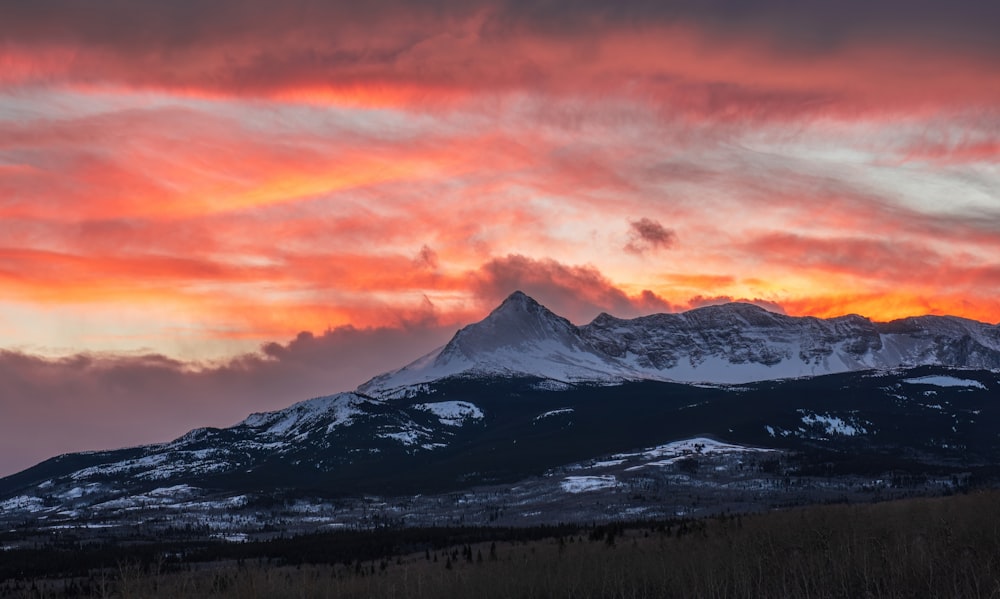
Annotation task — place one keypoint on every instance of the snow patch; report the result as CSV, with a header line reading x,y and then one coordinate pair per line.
x,y
552,413
551,385
303,416
607,463
407,438
174,491
833,425
26,503
671,453
452,413
408,392
582,484
945,381
698,446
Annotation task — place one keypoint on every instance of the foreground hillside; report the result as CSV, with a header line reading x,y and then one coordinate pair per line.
x,y
944,547
522,452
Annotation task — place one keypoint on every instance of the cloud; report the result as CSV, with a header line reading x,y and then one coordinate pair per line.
x,y
233,219
847,274
85,402
577,292
646,234
695,280
890,305
893,261
763,53
426,258
140,23
965,152
805,27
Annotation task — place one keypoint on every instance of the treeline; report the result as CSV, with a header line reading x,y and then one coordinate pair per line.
x,y
909,548
73,556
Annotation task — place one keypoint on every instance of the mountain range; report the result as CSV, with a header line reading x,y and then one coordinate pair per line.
x,y
535,417
730,343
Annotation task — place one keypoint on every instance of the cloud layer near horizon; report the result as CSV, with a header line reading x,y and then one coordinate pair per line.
x,y
195,180
89,402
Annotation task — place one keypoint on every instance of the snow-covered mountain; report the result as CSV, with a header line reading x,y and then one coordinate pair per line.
x,y
519,338
525,390
731,343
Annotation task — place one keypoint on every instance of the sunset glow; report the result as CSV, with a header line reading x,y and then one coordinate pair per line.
x,y
194,181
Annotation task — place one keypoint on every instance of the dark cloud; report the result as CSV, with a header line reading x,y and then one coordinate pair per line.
x,y
426,258
258,47
180,23
649,303
86,402
804,25
578,293
646,234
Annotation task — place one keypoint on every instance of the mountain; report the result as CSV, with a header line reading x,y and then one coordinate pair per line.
x,y
530,418
731,343
519,338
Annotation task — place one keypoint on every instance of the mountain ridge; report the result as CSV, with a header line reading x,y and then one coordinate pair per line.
x,y
728,343
524,446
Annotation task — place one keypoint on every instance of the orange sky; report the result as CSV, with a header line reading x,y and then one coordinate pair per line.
x,y
196,181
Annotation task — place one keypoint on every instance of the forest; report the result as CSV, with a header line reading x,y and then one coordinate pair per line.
x,y
945,546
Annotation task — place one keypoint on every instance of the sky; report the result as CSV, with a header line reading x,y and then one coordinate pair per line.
x,y
214,208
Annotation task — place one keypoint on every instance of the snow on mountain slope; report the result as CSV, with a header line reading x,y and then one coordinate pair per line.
x,y
332,411
940,340
945,381
452,413
323,433
735,343
520,337
676,451
732,343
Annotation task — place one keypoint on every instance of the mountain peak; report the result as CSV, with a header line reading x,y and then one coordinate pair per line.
x,y
519,337
518,306
516,321
518,297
